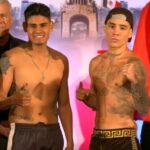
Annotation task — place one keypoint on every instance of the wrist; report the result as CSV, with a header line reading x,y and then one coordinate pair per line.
x,y
70,146
11,100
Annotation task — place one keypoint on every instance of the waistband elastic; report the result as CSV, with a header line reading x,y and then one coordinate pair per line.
x,y
39,125
114,133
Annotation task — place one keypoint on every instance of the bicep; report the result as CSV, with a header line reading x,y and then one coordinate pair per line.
x,y
140,71
6,75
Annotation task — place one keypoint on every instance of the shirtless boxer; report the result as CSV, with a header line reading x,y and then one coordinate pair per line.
x,y
40,77
118,87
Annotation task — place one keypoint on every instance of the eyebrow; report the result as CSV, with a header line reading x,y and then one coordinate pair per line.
x,y
42,23
122,25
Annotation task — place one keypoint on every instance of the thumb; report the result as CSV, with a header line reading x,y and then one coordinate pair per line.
x,y
81,85
24,88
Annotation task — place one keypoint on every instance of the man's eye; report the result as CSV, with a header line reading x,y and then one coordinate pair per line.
x,y
123,28
44,25
3,16
32,25
111,26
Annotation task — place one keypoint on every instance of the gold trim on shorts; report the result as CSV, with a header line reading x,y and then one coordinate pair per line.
x,y
114,133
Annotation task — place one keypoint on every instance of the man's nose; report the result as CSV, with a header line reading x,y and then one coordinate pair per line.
x,y
38,29
2,18
116,30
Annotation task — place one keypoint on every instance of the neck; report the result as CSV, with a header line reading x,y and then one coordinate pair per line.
x,y
4,39
118,51
39,50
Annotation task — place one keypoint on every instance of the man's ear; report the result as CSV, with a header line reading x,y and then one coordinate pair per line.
x,y
104,28
130,33
52,25
11,19
24,26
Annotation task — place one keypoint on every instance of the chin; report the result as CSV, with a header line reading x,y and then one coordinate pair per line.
x,y
39,44
114,46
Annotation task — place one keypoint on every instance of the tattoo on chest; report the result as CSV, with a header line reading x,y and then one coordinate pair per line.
x,y
4,64
123,106
107,70
121,110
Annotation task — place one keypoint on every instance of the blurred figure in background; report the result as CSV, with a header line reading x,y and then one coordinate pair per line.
x,y
7,41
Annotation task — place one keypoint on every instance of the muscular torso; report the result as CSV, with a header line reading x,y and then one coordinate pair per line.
x,y
114,99
43,91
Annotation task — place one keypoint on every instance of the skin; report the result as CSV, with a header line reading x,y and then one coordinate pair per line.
x,y
37,98
5,24
118,81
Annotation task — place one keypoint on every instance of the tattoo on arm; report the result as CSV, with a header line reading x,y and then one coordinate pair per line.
x,y
139,91
4,64
140,95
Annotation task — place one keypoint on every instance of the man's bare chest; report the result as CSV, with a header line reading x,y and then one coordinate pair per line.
x,y
33,73
109,72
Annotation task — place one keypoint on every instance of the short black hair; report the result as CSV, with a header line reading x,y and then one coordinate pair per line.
x,y
37,9
123,11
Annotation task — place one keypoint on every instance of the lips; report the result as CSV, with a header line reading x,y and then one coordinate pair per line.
x,y
2,25
38,35
114,40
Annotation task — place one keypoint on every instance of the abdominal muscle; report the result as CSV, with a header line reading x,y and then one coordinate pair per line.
x,y
38,111
113,122
113,112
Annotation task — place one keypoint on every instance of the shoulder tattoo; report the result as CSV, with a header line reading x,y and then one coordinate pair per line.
x,y
4,64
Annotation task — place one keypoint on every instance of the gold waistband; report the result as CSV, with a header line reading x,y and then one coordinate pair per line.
x,y
114,133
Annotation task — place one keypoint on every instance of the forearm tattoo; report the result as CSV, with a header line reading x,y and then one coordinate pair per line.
x,y
4,64
139,91
140,95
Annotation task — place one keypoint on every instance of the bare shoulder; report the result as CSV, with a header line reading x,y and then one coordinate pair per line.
x,y
132,57
58,55
14,52
12,57
96,60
